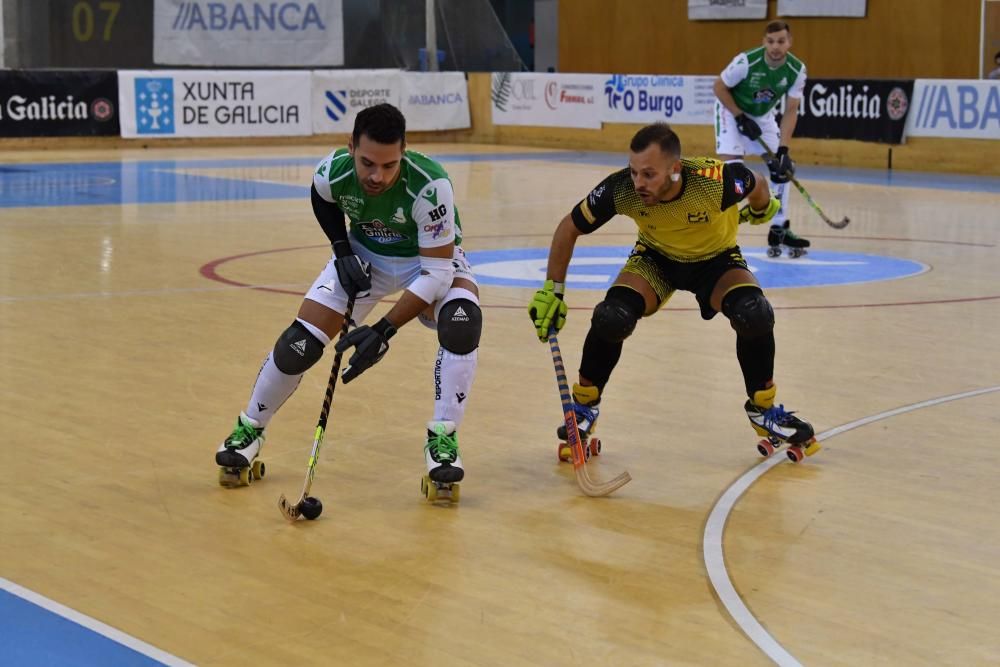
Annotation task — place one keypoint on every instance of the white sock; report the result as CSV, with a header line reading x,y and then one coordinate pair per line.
x,y
780,191
453,376
270,392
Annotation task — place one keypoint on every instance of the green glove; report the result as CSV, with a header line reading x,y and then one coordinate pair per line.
x,y
547,309
754,217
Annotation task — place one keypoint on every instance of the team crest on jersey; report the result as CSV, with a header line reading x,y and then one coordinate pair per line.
x,y
377,231
764,95
715,173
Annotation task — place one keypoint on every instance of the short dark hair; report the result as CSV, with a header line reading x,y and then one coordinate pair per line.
x,y
777,26
382,123
660,134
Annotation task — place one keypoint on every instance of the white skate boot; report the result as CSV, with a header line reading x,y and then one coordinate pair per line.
x,y
238,457
444,465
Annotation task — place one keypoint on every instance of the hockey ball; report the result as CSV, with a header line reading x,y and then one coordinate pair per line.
x,y
311,508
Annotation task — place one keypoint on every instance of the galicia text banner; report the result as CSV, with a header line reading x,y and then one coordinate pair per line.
x,y
58,103
194,103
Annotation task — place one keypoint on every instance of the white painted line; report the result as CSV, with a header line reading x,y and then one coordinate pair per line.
x,y
715,561
94,625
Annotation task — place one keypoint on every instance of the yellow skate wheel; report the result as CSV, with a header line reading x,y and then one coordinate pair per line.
x,y
246,476
794,453
455,495
812,448
429,488
259,468
565,453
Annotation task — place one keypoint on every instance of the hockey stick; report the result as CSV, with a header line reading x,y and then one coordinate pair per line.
x,y
587,485
292,512
835,224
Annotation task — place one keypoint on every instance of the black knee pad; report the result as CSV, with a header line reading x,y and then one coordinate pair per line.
x,y
614,318
749,311
297,350
459,325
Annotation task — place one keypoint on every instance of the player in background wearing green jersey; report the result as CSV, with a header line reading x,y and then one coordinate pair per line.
x,y
404,237
747,92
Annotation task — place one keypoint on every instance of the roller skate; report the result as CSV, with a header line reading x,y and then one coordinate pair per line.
x,y
782,235
586,405
444,465
238,455
779,426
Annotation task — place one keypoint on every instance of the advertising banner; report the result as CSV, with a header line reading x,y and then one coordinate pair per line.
x,y
248,33
648,98
866,110
955,108
435,100
338,96
197,103
724,10
552,100
58,103
852,8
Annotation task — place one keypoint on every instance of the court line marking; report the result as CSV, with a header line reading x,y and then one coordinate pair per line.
x,y
714,557
210,271
93,625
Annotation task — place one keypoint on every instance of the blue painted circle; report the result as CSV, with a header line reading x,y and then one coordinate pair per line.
x,y
596,267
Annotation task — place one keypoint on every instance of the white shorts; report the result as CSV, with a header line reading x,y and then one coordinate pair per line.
x,y
729,141
389,275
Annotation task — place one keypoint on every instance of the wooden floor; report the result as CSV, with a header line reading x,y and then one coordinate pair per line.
x,y
122,366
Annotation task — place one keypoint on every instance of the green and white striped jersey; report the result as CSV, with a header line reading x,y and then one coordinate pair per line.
x,y
756,87
418,211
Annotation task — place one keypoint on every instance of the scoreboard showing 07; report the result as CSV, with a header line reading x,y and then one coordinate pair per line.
x,y
98,33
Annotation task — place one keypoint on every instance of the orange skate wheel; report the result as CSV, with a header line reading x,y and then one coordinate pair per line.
x,y
795,453
595,446
765,447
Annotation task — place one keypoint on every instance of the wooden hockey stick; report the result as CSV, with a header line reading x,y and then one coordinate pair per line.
x,y
290,511
836,224
587,485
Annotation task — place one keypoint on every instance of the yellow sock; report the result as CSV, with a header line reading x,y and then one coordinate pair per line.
x,y
764,398
586,395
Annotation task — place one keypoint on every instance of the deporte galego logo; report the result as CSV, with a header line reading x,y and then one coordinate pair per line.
x,y
248,16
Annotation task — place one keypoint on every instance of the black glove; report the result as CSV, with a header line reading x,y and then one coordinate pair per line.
x,y
353,273
748,127
782,168
370,343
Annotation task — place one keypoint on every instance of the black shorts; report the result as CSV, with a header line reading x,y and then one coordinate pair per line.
x,y
667,275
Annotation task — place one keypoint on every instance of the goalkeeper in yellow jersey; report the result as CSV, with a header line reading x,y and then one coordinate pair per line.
x,y
687,211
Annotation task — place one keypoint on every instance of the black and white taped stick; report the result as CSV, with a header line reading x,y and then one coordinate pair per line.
x,y
586,484
836,224
290,511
